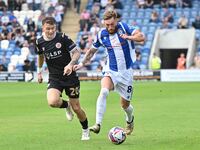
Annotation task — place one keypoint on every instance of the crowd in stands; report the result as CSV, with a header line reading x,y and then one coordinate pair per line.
x,y
148,15
20,24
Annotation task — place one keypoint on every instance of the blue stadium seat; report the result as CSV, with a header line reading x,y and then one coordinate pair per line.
x,y
101,50
144,29
146,50
19,68
145,21
150,36
194,13
94,65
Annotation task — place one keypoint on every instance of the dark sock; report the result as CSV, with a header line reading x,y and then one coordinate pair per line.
x,y
64,104
84,124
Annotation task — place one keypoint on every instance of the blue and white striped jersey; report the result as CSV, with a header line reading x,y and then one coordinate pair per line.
x,y
121,52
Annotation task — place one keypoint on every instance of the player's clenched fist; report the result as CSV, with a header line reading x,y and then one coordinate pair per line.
x,y
77,67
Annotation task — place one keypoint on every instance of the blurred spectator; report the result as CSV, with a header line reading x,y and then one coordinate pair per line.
x,y
4,44
11,67
166,24
104,3
95,8
182,22
136,64
141,3
149,3
155,62
5,18
84,20
82,44
94,30
197,61
30,4
196,23
19,37
181,62
154,17
116,4
2,5
18,5
3,68
37,4
168,16
164,3
77,5
186,3
11,5
31,25
85,14
179,3
172,3
58,19
27,65
60,9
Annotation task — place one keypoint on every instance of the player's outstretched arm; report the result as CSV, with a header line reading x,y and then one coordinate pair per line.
x,y
86,59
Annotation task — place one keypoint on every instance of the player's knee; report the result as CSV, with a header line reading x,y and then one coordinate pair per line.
x,y
76,109
53,103
125,104
104,92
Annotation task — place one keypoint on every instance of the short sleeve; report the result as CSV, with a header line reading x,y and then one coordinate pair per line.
x,y
37,48
96,44
130,29
70,45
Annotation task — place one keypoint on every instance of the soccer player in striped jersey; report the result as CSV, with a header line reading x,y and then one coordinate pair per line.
x,y
118,39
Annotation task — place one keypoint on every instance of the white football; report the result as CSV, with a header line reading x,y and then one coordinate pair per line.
x,y
117,135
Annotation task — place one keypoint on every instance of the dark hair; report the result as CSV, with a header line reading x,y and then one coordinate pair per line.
x,y
109,14
49,20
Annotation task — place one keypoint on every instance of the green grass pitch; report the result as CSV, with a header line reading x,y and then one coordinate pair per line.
x,y
167,117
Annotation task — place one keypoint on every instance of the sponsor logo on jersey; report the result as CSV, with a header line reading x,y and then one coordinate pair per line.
x,y
58,45
120,31
53,55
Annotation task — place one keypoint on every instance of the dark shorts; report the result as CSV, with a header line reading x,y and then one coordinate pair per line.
x,y
71,90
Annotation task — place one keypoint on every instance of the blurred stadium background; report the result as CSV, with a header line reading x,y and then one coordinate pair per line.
x,y
171,27
167,113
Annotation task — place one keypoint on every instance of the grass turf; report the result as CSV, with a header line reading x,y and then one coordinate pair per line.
x,y
166,117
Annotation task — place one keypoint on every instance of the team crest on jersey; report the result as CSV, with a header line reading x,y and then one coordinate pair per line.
x,y
58,45
120,31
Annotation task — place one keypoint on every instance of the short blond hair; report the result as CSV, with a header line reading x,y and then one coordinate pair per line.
x,y
109,14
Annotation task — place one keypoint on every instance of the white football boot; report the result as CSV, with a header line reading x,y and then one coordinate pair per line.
x,y
85,134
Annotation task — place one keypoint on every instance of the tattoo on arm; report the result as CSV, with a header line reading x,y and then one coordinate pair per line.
x,y
89,55
75,56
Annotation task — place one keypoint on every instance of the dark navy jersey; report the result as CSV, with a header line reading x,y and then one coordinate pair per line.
x,y
56,53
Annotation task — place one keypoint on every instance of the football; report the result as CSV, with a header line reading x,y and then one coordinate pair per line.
x,y
117,135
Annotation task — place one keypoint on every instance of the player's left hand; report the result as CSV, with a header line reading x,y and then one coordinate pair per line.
x,y
124,36
68,69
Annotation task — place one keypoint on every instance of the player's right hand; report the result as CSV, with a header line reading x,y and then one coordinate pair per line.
x,y
77,67
40,79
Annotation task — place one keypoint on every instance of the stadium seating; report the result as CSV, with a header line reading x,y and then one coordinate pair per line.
x,y
131,14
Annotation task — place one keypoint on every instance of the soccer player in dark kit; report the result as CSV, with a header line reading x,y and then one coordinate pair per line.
x,y
60,54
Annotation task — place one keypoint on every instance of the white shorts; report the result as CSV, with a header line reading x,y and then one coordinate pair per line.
x,y
123,82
